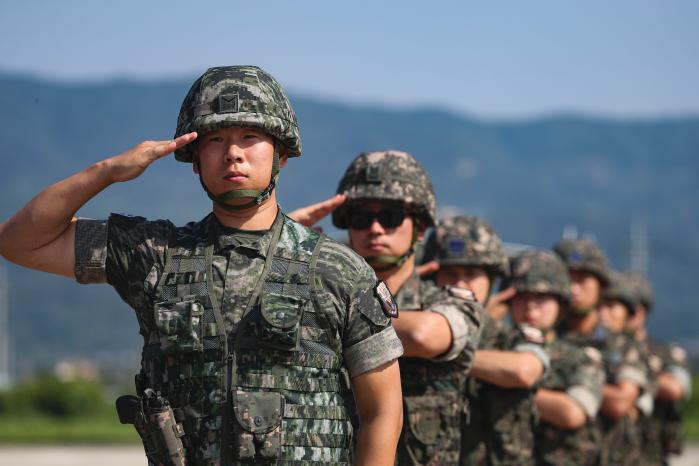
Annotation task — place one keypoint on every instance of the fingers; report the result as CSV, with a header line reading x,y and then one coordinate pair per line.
x,y
320,210
502,296
428,268
163,148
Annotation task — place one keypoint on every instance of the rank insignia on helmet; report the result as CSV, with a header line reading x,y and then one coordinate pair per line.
x,y
390,308
532,334
228,103
461,293
456,245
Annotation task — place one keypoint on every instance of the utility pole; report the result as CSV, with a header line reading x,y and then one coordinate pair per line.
x,y
638,252
4,330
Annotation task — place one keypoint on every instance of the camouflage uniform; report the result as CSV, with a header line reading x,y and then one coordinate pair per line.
x,y
252,336
432,388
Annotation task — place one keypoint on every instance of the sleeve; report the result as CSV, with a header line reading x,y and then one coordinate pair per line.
x,y
676,364
529,339
464,317
120,251
586,384
368,338
633,369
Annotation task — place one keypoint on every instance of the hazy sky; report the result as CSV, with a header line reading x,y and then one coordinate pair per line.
x,y
492,59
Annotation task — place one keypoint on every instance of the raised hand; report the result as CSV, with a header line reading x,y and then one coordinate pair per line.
x,y
312,214
132,163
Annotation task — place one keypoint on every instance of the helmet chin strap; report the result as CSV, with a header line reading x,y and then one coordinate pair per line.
x,y
259,196
384,263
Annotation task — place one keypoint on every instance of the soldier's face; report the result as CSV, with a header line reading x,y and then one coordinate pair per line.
x,y
377,239
536,309
234,159
475,279
584,289
613,315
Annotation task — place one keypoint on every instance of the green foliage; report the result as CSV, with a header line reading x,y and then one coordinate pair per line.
x,y
691,412
50,397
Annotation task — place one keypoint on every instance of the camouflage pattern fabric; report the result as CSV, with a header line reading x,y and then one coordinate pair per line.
x,y
303,393
241,96
539,272
469,241
500,430
662,431
585,256
433,389
387,176
623,361
578,372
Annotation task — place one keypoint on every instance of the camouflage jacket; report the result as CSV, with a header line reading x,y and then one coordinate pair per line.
x,y
578,372
661,429
621,354
433,388
251,336
500,427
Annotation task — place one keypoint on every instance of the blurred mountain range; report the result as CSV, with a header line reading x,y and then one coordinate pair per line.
x,y
530,178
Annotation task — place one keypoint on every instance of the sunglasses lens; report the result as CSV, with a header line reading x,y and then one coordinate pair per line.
x,y
361,220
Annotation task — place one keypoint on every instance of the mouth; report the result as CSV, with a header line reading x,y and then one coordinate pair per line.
x,y
376,246
235,177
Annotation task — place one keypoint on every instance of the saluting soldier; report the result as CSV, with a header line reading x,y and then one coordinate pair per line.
x,y
255,328
389,205
661,423
509,361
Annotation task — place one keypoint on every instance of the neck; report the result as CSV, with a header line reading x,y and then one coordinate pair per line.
x,y
396,277
641,334
583,324
259,217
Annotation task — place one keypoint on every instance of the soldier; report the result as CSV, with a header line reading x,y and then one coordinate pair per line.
x,y
626,375
254,327
389,204
571,392
621,434
661,423
508,362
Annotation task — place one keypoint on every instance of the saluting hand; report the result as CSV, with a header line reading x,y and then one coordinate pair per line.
x,y
132,163
312,214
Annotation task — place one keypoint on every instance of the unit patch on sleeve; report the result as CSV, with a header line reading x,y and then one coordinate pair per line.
x,y
390,308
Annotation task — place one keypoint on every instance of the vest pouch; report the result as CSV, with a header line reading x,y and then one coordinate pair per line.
x,y
179,324
422,432
257,430
281,320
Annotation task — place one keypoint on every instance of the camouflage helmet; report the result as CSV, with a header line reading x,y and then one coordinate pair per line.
x,y
469,241
621,288
238,96
585,256
644,290
537,271
387,176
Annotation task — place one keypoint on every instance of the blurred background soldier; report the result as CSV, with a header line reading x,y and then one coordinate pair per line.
x,y
624,371
389,205
661,428
509,361
623,357
571,392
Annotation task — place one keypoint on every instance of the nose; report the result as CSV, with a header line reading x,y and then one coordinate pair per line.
x,y
376,227
233,154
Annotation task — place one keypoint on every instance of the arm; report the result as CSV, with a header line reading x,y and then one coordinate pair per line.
x,y
314,213
41,235
669,388
380,407
619,399
507,369
423,334
559,409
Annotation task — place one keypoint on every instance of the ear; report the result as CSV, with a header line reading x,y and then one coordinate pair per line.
x,y
283,156
422,228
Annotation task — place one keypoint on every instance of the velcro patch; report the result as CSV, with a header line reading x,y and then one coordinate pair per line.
x,y
390,308
461,293
532,334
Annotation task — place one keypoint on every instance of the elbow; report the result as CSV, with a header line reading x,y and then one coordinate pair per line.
x,y
423,343
616,410
527,375
573,418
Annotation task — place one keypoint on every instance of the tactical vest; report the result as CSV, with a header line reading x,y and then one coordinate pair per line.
x,y
272,391
432,409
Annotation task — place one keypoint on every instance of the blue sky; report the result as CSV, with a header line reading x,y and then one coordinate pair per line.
x,y
493,59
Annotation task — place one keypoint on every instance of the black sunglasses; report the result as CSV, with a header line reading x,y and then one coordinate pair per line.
x,y
389,218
